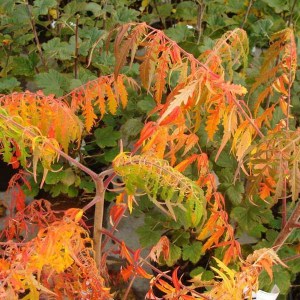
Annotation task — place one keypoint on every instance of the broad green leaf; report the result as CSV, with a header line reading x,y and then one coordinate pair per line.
x,y
95,8
235,192
165,10
87,185
186,10
192,252
72,191
206,275
106,137
41,7
52,83
174,256
125,15
225,160
110,154
282,278
25,65
131,127
8,84
147,236
68,177
7,6
146,105
278,5
54,177
60,50
179,33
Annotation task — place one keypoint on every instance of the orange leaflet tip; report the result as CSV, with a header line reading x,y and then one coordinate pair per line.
x,y
146,132
171,117
116,213
143,273
175,279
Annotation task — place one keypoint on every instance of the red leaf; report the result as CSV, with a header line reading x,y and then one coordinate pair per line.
x,y
171,117
175,279
14,162
146,132
116,213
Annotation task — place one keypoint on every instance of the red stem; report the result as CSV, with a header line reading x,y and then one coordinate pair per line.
x,y
290,225
284,205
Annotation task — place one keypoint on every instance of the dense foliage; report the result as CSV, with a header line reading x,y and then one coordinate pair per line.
x,y
208,113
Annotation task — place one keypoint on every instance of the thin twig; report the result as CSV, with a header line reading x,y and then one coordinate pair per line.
x,y
201,10
76,48
291,12
289,93
283,211
159,16
129,288
247,13
98,220
297,256
36,38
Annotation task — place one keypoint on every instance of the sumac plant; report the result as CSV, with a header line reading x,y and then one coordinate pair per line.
x,y
215,161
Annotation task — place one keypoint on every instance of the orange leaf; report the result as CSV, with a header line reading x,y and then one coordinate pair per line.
x,y
116,213
213,121
175,279
125,253
143,273
122,91
127,272
146,132
112,102
171,117
185,163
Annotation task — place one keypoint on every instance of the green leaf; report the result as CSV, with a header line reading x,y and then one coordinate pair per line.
x,y
53,177
68,177
87,185
192,252
106,137
174,255
41,7
248,217
186,10
52,83
8,84
7,6
206,275
165,10
146,105
282,278
95,8
131,127
225,160
179,33
125,15
109,155
60,50
278,5
25,66
72,191
147,236
235,193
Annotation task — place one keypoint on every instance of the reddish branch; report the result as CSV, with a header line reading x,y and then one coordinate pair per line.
x,y
290,225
